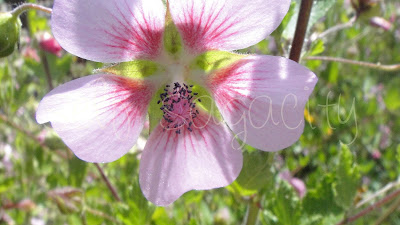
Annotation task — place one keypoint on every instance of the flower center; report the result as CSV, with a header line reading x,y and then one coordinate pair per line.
x,y
178,106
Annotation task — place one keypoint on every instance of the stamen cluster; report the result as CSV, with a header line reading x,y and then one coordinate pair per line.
x,y
178,106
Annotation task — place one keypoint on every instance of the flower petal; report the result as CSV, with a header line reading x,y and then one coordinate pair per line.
x,y
172,164
226,24
99,117
109,30
262,99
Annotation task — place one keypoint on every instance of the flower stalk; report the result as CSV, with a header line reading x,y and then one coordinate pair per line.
x,y
301,29
108,183
26,6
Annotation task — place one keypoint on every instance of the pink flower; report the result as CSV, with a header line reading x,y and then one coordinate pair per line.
x,y
30,53
160,54
49,44
296,183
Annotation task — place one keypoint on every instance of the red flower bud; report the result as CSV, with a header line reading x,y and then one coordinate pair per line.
x,y
49,44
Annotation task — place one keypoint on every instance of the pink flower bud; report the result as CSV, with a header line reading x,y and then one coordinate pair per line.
x,y
376,154
49,44
380,23
296,183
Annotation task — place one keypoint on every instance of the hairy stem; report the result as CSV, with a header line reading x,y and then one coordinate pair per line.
x,y
301,29
108,183
252,213
378,66
26,6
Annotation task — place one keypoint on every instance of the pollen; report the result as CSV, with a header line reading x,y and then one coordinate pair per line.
x,y
179,107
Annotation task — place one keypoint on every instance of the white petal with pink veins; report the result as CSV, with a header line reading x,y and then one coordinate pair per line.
x,y
99,117
262,99
226,24
172,164
109,30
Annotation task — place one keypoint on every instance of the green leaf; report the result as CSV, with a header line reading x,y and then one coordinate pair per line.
x,y
256,173
321,200
286,205
160,217
317,47
392,96
77,171
347,179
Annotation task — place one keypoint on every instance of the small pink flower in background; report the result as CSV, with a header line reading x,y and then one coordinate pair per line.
x,y
380,23
296,183
49,44
31,53
376,154
176,65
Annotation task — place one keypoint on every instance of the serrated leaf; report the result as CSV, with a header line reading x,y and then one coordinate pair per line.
x,y
321,200
347,179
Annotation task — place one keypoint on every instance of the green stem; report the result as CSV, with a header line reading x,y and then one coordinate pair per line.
x,y
378,66
26,6
301,29
252,213
46,68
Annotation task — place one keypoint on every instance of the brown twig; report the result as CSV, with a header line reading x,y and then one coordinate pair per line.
x,y
378,66
391,209
301,29
112,189
335,29
367,210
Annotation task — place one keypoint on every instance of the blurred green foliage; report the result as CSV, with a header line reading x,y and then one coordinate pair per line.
x,y
350,148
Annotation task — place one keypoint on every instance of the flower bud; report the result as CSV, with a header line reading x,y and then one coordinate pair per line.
x,y
49,44
10,27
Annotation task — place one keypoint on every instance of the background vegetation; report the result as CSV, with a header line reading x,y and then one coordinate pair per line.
x,y
348,156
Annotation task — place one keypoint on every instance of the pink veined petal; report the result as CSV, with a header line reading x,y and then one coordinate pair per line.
x,y
226,24
99,117
262,99
172,164
109,30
